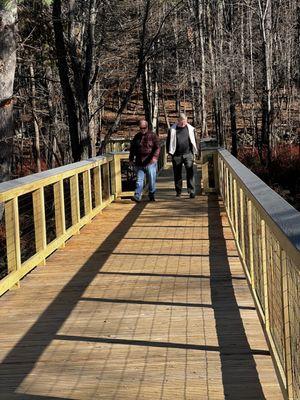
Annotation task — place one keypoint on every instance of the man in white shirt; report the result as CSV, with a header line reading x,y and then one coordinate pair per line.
x,y
181,145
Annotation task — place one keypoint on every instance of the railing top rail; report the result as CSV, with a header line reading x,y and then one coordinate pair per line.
x,y
19,186
119,153
284,218
111,140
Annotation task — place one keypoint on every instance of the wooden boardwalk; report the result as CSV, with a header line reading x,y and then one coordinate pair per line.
x,y
149,302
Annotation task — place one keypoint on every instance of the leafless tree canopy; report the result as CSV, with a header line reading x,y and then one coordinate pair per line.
x,y
73,73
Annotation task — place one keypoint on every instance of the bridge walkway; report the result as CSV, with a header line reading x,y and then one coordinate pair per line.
x,y
149,301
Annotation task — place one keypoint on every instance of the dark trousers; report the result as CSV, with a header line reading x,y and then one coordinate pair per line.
x,y
188,161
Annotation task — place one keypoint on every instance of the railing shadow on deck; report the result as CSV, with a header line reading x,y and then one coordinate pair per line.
x,y
21,396
239,374
46,328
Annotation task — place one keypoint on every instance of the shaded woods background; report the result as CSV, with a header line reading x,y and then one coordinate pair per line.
x,y
76,72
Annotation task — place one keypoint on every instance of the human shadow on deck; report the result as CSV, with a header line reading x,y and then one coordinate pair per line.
x,y
239,373
30,348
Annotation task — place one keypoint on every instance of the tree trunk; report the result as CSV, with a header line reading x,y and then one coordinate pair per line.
x,y
232,92
266,30
155,112
147,103
178,94
36,145
64,75
213,74
203,69
8,15
251,76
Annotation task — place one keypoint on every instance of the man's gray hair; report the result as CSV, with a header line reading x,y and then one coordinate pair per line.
x,y
182,116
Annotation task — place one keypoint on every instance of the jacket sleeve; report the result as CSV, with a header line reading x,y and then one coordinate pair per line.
x,y
197,141
156,147
168,141
132,150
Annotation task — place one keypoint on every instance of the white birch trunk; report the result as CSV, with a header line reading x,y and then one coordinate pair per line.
x,y
8,16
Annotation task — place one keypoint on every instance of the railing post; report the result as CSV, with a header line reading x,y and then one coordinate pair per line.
x,y
116,176
165,159
87,197
286,322
97,185
216,171
12,227
59,204
105,169
250,233
265,274
221,176
205,179
39,220
75,205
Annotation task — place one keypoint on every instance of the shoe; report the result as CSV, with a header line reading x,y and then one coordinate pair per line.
x,y
178,194
151,196
192,195
136,199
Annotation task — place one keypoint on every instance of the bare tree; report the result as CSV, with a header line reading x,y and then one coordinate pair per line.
x,y
77,76
265,14
8,16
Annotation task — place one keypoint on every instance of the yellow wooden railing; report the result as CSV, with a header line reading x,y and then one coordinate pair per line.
x,y
92,185
117,145
267,233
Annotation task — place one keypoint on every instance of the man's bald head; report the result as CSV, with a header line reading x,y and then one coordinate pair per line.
x,y
143,125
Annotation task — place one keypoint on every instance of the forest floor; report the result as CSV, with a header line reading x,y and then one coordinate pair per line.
x,y
283,175
130,119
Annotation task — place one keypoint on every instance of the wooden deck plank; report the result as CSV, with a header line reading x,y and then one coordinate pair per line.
x,y
149,302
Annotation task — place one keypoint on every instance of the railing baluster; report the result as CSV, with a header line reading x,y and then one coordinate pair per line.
x,y
227,192
98,186
106,170
87,196
12,228
59,204
39,220
75,205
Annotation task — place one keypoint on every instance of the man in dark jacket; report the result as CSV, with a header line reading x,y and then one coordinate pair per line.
x,y
144,152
